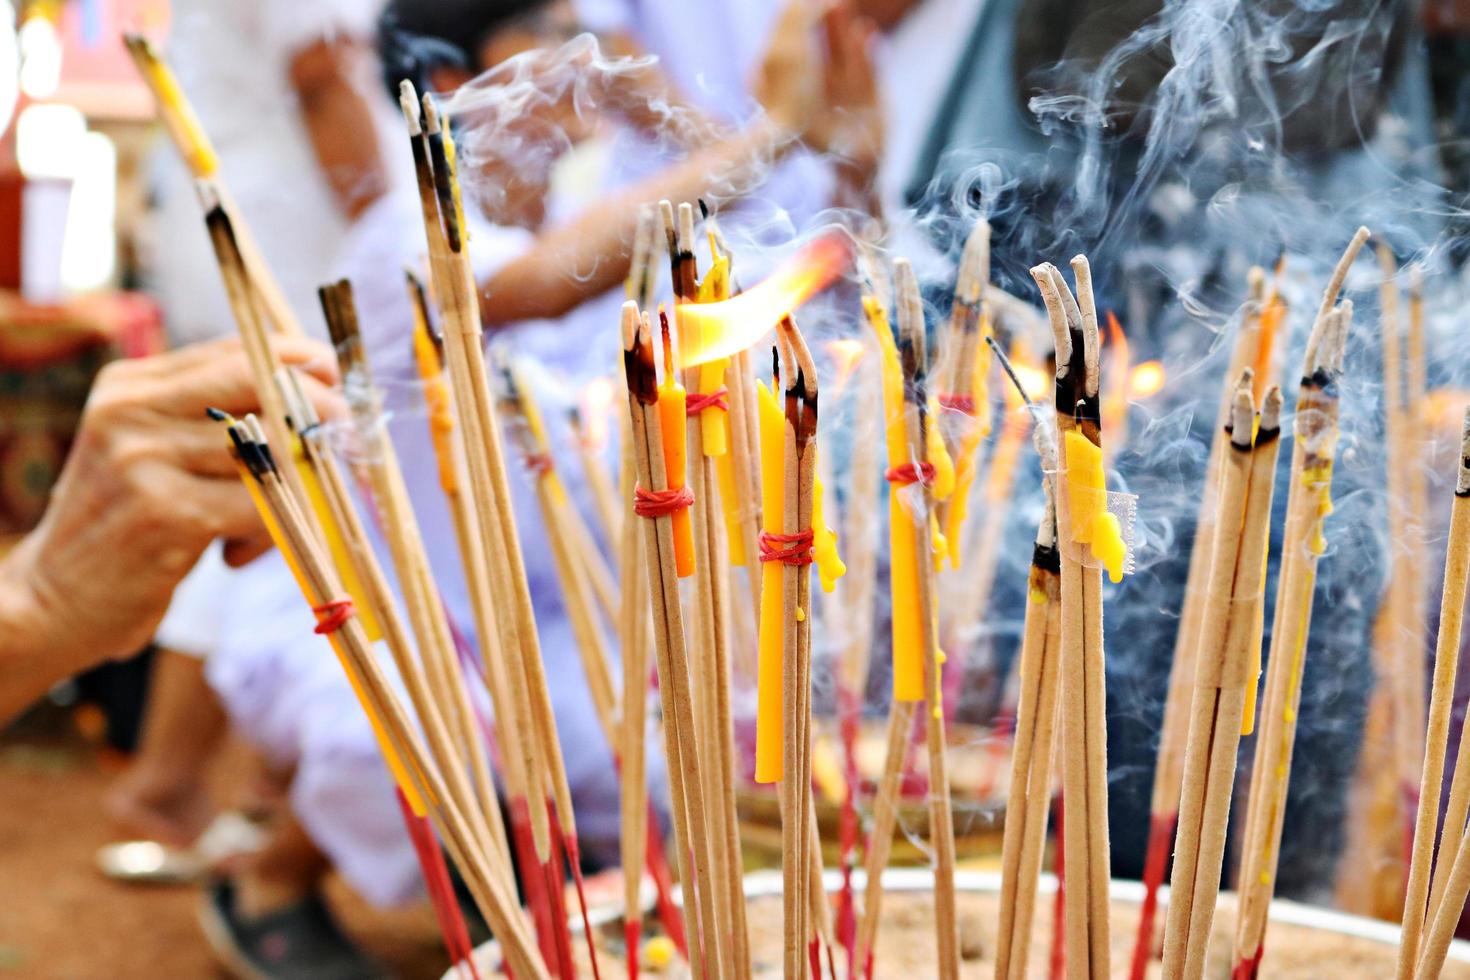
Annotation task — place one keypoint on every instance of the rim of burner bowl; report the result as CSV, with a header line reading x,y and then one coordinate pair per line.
x,y
767,883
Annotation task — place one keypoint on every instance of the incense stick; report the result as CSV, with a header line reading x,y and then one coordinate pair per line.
x,y
1430,951
685,788
1225,676
1303,542
1084,725
321,589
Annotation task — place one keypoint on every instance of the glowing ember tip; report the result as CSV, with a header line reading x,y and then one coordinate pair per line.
x,y
1146,379
714,330
845,354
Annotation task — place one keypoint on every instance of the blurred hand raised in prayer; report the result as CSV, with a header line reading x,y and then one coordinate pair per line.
x,y
787,83
149,483
850,123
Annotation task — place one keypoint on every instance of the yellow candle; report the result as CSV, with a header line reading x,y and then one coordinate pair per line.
x,y
672,416
1087,499
336,543
976,430
395,764
714,423
903,555
730,503
825,556
769,726
197,150
436,399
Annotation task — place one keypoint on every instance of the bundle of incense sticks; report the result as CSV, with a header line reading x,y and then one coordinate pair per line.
x,y
198,153
1029,800
919,475
500,595
1308,504
422,782
1089,538
706,439
1253,345
1433,910
1223,707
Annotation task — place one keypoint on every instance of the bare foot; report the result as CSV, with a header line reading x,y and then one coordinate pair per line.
x,y
143,806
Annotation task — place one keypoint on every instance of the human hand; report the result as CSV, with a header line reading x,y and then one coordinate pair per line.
x,y
149,483
787,83
849,125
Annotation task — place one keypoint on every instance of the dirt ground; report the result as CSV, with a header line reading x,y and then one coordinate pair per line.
x,y
60,918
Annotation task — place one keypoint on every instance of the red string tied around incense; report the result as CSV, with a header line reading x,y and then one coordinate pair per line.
x,y
661,503
332,616
957,403
699,401
908,474
797,550
539,463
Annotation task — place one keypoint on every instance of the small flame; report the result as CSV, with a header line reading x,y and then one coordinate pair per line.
x,y
1146,379
595,405
1032,377
846,354
710,331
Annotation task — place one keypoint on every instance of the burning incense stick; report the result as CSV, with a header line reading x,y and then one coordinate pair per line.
x,y
434,682
298,542
658,502
1424,957
964,420
1169,769
548,794
194,145
1029,801
1303,542
1225,674
704,430
1083,525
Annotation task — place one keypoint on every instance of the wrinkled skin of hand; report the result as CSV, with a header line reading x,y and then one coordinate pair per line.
x,y
149,483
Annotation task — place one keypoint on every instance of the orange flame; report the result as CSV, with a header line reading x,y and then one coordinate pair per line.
x,y
595,405
1032,376
846,353
1115,399
714,330
1146,379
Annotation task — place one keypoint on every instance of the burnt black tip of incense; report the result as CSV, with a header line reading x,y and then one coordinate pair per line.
x,y
1264,436
775,367
801,407
703,209
216,414
1243,447
444,190
1047,558
642,375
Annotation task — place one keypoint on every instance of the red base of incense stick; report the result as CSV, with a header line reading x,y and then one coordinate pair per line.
x,y
441,891
658,869
1059,908
1160,839
533,883
557,897
848,832
633,940
814,956
574,860
1248,969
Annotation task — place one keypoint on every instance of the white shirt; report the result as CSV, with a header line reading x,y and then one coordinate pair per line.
x,y
232,59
